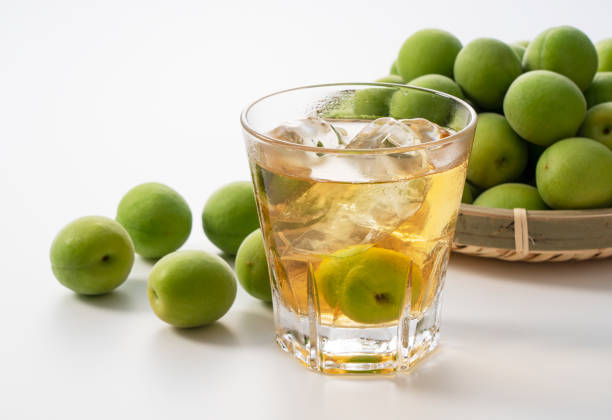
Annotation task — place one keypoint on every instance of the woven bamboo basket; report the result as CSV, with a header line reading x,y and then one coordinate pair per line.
x,y
533,236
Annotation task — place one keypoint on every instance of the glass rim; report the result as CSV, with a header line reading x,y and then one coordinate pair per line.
x,y
390,150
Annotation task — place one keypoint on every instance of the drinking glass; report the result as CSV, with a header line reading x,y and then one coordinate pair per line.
x,y
357,233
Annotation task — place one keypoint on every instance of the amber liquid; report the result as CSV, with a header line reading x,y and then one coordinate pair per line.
x,y
305,221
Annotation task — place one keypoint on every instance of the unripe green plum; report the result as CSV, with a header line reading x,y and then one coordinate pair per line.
x,y
92,255
229,215
428,51
484,69
372,102
519,50
543,107
393,70
604,53
414,103
252,267
598,124
191,288
564,50
498,154
575,173
439,83
392,78
600,90
157,218
368,284
511,196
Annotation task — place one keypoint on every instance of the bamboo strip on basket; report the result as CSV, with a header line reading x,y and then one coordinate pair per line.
x,y
549,235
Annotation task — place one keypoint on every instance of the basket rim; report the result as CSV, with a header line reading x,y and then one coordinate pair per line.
x,y
550,215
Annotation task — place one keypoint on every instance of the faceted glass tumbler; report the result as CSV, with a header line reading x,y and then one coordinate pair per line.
x,y
358,239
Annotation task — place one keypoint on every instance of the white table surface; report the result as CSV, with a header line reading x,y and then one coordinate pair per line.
x,y
98,96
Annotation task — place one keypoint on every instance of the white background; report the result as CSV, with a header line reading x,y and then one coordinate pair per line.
x,y
98,96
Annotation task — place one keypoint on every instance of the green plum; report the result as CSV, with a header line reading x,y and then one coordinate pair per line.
x,y
575,173
372,102
413,103
604,53
229,215
438,82
157,218
191,288
392,78
498,154
598,124
252,267
510,196
393,70
543,107
484,69
565,50
92,255
523,43
279,188
368,284
428,51
519,50
600,90
333,269
374,288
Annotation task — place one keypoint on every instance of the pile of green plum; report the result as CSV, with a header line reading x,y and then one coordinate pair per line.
x,y
544,133
93,255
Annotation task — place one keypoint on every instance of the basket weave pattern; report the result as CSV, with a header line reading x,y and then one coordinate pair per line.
x,y
542,256
534,236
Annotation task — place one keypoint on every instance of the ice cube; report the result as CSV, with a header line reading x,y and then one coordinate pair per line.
x,y
310,131
390,133
384,133
426,130
332,216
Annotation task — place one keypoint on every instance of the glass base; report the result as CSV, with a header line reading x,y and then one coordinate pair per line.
x,y
342,350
